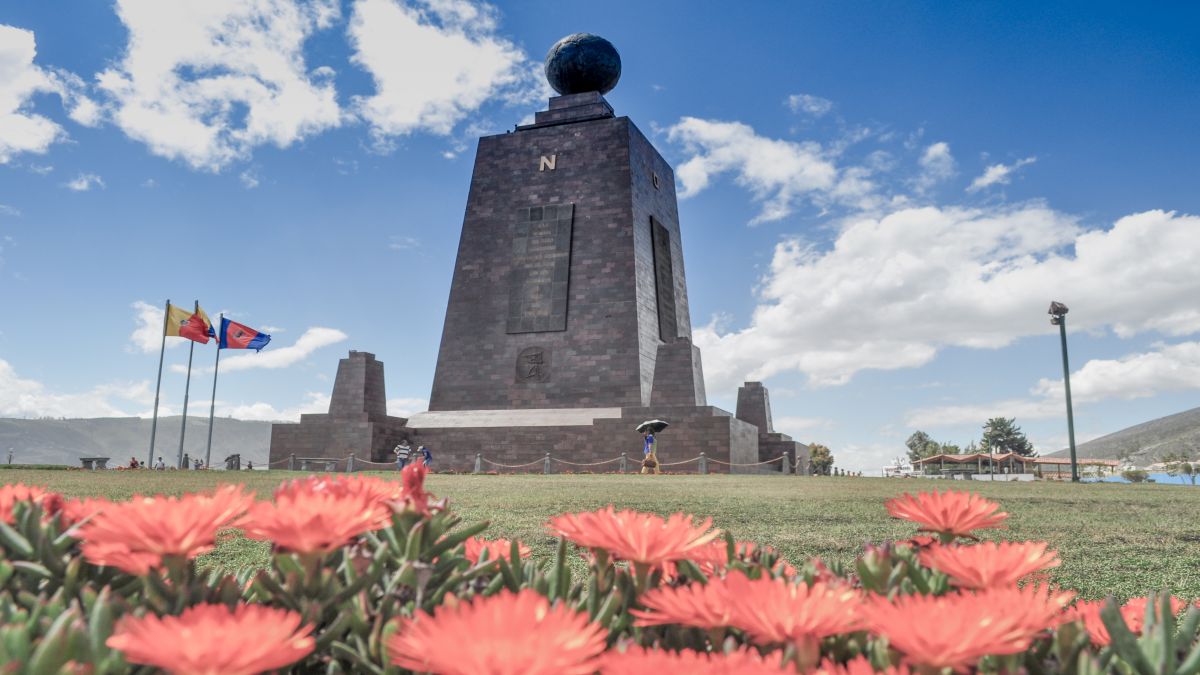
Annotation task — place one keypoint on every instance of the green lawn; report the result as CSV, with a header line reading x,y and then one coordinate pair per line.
x,y
1124,539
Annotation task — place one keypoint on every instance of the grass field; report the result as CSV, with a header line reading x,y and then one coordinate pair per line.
x,y
1123,539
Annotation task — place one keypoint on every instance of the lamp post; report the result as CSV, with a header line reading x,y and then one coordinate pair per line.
x,y
1058,317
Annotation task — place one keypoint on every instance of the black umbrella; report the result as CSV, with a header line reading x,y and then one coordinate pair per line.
x,y
654,426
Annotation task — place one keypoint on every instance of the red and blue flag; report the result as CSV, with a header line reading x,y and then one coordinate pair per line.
x,y
237,336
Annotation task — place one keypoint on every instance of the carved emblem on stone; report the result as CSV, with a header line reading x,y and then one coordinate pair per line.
x,y
533,364
547,162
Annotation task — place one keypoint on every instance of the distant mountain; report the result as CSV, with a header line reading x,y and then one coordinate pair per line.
x,y
49,441
1173,433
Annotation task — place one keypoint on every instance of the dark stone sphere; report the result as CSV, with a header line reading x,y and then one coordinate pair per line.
x,y
583,62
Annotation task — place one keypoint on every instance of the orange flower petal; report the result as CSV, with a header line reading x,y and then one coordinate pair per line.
x,y
990,564
19,492
949,513
131,535
473,549
955,631
642,661
322,513
504,634
214,640
634,536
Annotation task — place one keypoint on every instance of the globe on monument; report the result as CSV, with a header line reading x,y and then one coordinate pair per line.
x,y
583,62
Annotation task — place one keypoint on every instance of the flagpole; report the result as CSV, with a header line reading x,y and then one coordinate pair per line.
x,y
158,387
186,387
212,407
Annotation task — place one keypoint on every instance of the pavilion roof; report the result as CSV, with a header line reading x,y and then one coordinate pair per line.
x,y
1005,456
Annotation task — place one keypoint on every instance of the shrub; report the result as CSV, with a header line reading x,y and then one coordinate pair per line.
x,y
1135,475
373,576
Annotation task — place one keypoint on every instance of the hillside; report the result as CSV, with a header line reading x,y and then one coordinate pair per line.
x,y
1173,433
65,441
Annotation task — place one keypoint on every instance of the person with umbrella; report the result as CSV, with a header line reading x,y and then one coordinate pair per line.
x,y
650,462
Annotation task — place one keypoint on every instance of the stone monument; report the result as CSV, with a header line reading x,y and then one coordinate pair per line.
x,y
568,322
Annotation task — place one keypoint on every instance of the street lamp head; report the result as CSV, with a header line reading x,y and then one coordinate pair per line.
x,y
1057,310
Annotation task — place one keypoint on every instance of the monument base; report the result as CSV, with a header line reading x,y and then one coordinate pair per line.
x,y
584,437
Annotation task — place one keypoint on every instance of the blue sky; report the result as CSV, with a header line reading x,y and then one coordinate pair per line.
x,y
880,201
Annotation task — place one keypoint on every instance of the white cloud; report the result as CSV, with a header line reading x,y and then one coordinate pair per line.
x,y
403,407
937,164
976,414
272,330
249,179
282,357
84,182
891,291
314,402
998,174
21,129
399,243
433,62
1173,367
148,334
6,210
778,173
807,103
21,397
206,81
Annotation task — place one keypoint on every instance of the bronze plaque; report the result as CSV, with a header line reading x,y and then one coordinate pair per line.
x,y
664,281
541,266
533,365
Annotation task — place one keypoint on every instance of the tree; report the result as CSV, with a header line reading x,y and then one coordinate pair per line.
x,y
1180,464
820,459
1001,435
921,445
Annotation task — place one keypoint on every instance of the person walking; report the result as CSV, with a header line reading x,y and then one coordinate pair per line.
x,y
426,456
650,453
403,452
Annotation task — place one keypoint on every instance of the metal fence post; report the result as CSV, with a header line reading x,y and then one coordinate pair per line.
x,y
703,464
350,464
785,464
478,462
624,463
292,462
546,465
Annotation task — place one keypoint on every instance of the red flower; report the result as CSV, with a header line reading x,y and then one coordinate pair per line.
x,y
321,513
19,492
704,606
773,611
637,537
990,564
1134,613
949,513
955,631
473,549
416,499
135,535
74,511
859,666
508,633
642,661
215,640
